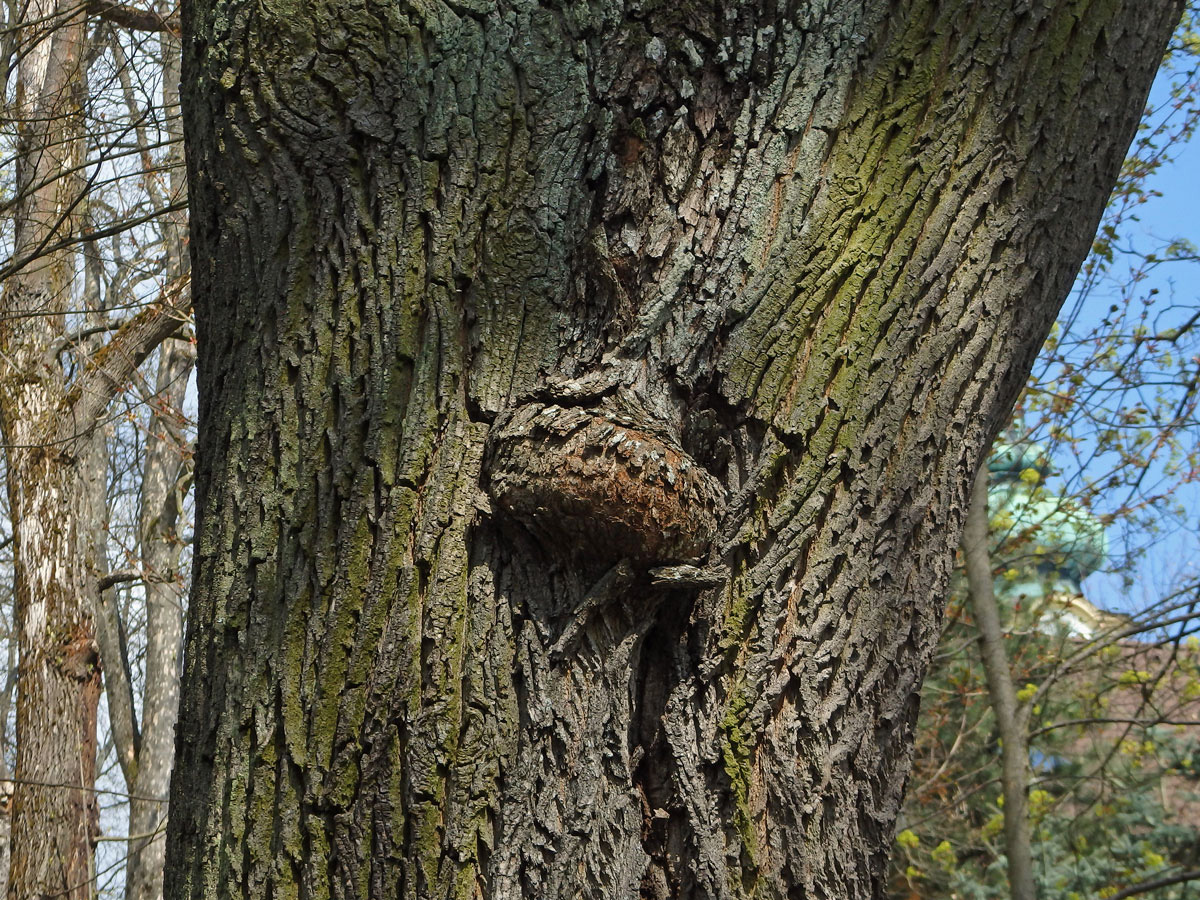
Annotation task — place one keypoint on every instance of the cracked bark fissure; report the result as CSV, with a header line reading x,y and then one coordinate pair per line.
x,y
805,253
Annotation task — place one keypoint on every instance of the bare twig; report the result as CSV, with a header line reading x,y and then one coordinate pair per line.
x,y
1145,887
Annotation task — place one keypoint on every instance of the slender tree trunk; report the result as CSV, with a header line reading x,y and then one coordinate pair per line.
x,y
161,548
91,470
1011,722
589,401
165,464
6,789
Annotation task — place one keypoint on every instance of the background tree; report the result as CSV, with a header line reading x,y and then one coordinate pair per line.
x,y
589,399
73,330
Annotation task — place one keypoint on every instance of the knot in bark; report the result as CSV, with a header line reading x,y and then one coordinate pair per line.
x,y
592,483
79,655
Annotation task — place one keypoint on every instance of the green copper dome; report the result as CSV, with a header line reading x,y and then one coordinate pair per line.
x,y
1048,543
1008,461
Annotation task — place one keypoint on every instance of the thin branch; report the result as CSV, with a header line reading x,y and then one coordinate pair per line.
x,y
133,18
127,838
1113,720
91,789
46,249
74,337
1146,886
123,576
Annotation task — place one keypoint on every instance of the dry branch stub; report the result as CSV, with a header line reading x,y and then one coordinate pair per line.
x,y
589,483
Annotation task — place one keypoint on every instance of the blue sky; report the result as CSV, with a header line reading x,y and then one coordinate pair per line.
x,y
1174,213
1177,211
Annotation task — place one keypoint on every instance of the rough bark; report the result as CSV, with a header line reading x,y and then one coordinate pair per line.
x,y
54,812
1011,719
469,278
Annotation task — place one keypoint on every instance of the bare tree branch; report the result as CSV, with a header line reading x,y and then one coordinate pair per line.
x,y
1146,886
114,364
133,18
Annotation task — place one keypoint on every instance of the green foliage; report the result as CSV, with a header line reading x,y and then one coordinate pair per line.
x,y
1111,804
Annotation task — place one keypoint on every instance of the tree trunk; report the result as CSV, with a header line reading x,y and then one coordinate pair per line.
x,y
7,690
6,790
589,398
1011,719
165,463
49,426
54,813
161,547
